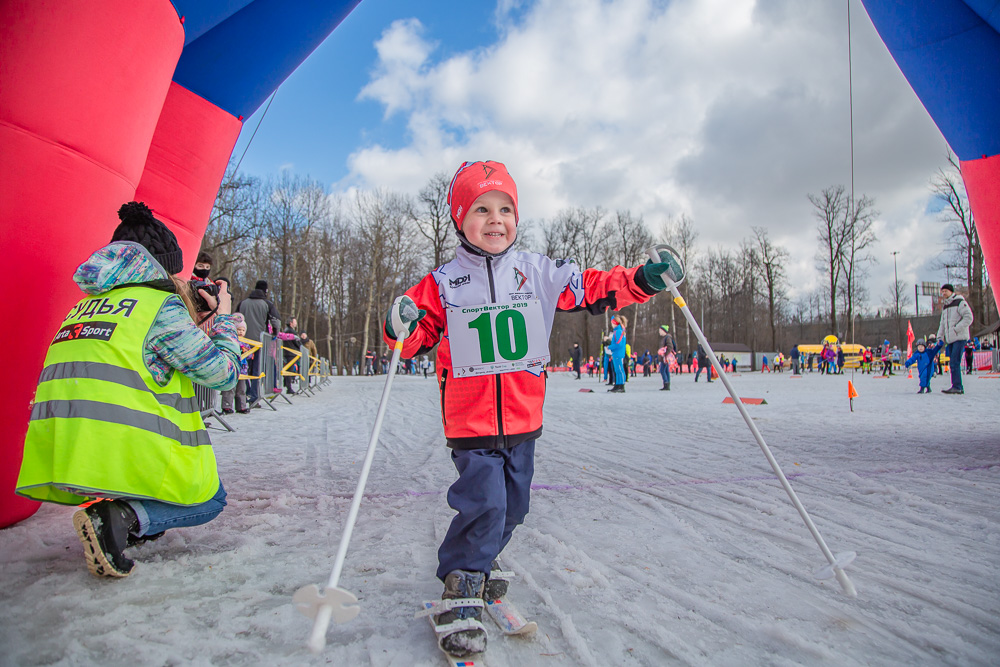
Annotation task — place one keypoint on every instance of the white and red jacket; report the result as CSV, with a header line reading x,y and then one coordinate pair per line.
x,y
500,411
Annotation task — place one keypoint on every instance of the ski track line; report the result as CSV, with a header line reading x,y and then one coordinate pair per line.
x,y
576,643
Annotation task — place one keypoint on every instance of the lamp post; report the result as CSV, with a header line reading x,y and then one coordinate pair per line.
x,y
895,293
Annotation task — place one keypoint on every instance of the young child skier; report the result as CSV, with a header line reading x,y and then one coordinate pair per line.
x,y
490,313
923,357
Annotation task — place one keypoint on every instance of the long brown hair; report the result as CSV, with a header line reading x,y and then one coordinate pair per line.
x,y
184,292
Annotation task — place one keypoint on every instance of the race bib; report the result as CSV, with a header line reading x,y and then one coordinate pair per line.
x,y
497,338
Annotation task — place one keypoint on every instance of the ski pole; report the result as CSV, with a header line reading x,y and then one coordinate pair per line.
x,y
334,602
836,564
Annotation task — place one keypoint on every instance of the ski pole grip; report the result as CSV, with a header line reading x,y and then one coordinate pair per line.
x,y
401,328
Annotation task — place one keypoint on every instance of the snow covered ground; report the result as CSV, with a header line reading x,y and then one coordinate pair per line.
x,y
658,535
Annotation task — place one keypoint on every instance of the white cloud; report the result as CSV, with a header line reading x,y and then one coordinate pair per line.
x,y
728,110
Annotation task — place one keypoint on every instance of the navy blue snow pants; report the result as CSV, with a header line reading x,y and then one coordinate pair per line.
x,y
491,498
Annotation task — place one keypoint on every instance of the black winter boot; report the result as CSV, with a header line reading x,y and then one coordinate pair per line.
x,y
496,587
104,529
666,386
469,635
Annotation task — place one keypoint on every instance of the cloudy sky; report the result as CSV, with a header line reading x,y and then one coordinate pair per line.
x,y
728,111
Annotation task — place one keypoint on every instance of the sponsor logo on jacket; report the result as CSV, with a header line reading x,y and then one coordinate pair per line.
x,y
461,280
81,331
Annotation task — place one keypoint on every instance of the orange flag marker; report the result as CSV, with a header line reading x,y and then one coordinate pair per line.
x,y
852,393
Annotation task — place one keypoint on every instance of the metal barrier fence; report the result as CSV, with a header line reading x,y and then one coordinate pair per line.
x,y
313,373
208,402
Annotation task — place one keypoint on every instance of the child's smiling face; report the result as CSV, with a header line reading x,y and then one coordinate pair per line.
x,y
491,223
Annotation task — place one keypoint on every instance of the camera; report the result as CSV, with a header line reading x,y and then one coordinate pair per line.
x,y
199,300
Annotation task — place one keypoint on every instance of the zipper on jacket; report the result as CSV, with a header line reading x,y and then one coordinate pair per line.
x,y
493,299
444,379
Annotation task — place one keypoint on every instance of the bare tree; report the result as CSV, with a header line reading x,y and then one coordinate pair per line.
x,y
433,216
859,237
681,235
380,218
832,206
628,239
966,250
771,268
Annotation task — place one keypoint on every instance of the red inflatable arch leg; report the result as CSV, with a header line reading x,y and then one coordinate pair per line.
x,y
82,87
982,182
186,163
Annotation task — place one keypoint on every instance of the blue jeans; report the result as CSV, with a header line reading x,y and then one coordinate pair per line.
x,y
156,516
955,350
491,497
664,372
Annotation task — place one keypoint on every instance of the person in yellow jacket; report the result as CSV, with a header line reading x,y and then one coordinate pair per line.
x,y
115,417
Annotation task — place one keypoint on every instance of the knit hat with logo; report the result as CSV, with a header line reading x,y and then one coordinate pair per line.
x,y
139,226
474,179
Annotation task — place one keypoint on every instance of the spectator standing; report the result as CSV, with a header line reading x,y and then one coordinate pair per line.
x,y
576,355
841,359
953,330
970,351
618,348
667,348
239,392
703,364
425,365
795,355
202,267
261,317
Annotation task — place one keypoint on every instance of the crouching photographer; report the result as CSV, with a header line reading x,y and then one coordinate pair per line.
x,y
115,415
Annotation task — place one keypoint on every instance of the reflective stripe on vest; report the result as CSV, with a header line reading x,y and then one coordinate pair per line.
x,y
101,422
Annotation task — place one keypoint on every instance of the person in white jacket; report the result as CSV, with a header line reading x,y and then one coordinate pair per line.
x,y
956,318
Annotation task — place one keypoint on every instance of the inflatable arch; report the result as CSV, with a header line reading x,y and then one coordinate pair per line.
x,y
110,100
949,52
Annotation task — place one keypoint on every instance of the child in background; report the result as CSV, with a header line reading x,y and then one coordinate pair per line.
x,y
492,410
923,357
240,390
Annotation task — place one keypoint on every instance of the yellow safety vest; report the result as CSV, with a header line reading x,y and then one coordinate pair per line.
x,y
101,426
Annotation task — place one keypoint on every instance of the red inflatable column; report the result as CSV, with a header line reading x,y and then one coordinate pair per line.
x,y
982,182
186,163
81,88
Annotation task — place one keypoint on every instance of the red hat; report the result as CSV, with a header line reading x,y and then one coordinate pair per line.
x,y
474,179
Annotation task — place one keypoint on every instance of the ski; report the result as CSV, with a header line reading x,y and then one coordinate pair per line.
x,y
509,619
503,612
474,660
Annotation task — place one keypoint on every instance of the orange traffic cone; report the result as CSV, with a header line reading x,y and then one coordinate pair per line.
x,y
909,373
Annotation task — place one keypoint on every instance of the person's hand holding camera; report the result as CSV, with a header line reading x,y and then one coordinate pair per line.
x,y
224,300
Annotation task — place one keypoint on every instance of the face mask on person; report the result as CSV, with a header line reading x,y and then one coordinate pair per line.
x,y
202,273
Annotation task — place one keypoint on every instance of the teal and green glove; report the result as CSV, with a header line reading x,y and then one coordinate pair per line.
x,y
653,272
406,313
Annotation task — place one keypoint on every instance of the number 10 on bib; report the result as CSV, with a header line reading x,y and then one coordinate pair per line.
x,y
497,338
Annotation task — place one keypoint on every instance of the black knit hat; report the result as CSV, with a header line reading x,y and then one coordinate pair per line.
x,y
261,285
139,226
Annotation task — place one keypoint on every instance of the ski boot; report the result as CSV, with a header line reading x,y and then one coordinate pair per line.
x,y
104,529
459,628
498,583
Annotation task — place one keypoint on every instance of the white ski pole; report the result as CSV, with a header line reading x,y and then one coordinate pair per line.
x,y
334,602
836,564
